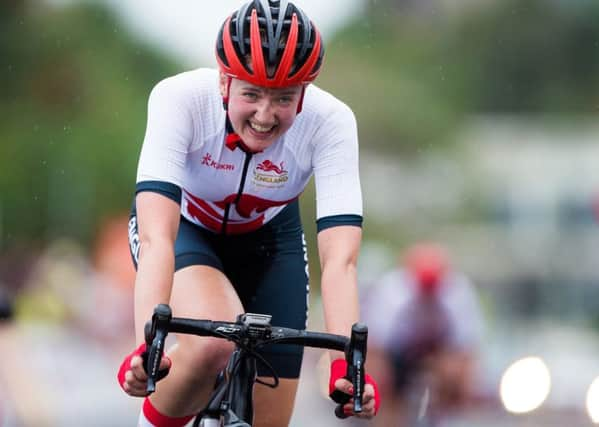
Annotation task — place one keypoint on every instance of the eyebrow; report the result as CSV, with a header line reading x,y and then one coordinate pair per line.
x,y
260,89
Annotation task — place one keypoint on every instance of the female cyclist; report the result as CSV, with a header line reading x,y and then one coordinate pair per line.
x,y
215,230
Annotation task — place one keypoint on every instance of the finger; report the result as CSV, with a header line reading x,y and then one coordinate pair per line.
x,y
366,399
367,408
368,394
134,382
165,363
367,412
344,385
136,392
133,387
137,369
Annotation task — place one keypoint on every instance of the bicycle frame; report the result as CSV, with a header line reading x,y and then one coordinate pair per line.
x,y
232,399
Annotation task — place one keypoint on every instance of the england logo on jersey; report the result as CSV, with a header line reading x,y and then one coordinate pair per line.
x,y
270,174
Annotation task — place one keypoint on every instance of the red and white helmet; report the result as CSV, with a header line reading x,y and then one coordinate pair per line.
x,y
271,44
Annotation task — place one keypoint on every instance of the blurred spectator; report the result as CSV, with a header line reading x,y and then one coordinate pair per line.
x,y
74,310
6,305
71,289
424,329
6,314
114,281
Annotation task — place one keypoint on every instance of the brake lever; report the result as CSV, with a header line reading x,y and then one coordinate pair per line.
x,y
155,336
355,356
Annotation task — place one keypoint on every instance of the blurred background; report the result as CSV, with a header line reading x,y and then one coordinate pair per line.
x,y
478,130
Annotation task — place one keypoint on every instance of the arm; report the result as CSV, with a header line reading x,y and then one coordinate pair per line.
x,y
158,221
169,132
338,248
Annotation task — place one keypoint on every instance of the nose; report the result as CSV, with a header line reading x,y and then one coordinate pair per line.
x,y
265,113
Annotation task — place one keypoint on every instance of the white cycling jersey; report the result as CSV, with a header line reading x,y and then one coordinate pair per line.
x,y
185,145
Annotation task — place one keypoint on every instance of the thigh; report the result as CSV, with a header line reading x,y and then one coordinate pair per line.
x,y
200,288
201,291
280,288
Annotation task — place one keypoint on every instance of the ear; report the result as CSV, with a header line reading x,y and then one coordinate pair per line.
x,y
223,83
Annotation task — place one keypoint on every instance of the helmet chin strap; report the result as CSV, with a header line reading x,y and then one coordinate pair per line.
x,y
232,140
301,100
226,96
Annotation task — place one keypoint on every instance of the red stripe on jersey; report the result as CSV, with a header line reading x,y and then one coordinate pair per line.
x,y
201,216
248,207
205,206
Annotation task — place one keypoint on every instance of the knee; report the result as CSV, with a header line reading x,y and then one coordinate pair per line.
x,y
206,356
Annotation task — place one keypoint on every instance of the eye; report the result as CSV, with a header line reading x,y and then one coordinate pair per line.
x,y
250,96
285,100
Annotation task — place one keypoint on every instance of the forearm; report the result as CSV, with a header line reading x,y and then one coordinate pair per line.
x,y
340,301
338,248
340,298
153,282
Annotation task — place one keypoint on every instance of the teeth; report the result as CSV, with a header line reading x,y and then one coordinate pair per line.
x,y
260,128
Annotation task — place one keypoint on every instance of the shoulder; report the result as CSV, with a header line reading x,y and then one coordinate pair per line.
x,y
201,82
322,105
191,98
459,284
459,293
393,287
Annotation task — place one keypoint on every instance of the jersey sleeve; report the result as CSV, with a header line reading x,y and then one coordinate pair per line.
x,y
464,307
336,172
169,133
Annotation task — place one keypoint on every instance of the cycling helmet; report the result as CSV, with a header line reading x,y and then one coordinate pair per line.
x,y
270,43
427,263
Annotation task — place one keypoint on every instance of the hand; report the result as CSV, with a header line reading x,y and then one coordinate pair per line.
x,y
132,375
371,400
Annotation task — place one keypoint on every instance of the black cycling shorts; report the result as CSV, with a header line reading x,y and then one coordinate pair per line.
x,y
268,268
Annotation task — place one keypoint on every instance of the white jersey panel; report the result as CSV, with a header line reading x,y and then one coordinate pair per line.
x,y
185,145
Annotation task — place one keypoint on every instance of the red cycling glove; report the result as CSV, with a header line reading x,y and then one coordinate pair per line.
x,y
339,370
126,365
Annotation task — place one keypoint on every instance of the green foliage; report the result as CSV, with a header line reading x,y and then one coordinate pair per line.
x,y
388,70
412,76
532,56
73,90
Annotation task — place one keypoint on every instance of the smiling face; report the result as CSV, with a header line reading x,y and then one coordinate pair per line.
x,y
260,115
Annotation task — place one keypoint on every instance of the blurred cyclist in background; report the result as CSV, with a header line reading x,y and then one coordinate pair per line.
x,y
424,330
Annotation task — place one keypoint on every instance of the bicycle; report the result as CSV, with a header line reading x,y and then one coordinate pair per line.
x,y
230,404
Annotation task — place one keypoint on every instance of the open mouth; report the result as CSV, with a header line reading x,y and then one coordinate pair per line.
x,y
261,130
